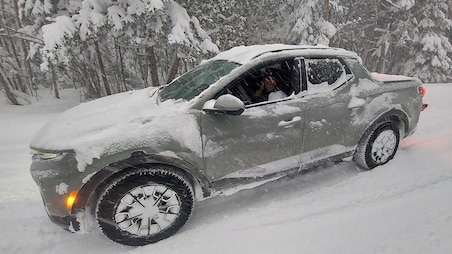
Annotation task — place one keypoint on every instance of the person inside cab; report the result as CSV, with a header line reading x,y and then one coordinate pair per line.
x,y
269,89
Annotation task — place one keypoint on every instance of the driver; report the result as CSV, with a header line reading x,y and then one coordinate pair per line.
x,y
269,90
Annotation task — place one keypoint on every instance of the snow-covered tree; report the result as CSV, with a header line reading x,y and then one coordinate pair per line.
x,y
109,46
10,79
240,22
33,15
18,40
308,22
430,48
148,31
405,37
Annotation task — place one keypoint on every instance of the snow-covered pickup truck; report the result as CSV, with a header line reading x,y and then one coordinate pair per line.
x,y
136,162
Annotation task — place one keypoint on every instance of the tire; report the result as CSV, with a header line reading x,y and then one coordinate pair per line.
x,y
377,146
144,206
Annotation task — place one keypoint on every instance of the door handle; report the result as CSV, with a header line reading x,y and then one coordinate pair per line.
x,y
290,123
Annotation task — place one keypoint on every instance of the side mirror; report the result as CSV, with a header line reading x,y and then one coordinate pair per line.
x,y
225,104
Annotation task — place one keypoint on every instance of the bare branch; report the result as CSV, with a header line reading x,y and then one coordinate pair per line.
x,y
20,35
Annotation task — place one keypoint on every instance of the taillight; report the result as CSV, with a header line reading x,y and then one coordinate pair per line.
x,y
422,90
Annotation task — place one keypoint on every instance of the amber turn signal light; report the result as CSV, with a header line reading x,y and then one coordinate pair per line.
x,y
70,200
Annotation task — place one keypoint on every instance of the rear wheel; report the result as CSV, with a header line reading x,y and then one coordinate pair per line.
x,y
378,146
144,206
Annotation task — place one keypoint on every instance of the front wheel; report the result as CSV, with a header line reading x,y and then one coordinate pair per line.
x,y
144,206
378,146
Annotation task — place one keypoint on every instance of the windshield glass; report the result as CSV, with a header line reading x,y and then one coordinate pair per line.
x,y
192,83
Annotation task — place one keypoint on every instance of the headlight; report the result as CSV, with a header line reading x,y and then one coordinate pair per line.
x,y
46,156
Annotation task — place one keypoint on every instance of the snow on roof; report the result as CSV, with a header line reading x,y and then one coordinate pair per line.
x,y
243,54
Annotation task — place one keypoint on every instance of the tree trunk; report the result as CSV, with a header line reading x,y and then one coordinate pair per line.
x,y
102,69
4,84
326,10
26,60
381,64
173,69
19,77
96,82
153,66
55,86
10,47
121,72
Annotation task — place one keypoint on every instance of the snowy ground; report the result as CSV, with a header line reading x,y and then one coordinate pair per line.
x,y
402,207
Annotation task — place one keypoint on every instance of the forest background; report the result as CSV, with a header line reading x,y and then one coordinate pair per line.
x,y
104,47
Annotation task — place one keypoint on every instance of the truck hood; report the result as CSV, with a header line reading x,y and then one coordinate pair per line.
x,y
117,123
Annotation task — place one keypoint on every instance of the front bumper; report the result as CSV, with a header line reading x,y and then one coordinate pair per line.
x,y
56,179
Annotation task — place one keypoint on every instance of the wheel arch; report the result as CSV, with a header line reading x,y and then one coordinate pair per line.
x,y
89,194
396,116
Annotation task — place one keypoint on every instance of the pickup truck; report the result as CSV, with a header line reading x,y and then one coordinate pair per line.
x,y
136,162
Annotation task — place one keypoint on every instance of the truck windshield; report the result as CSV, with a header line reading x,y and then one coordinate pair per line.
x,y
192,83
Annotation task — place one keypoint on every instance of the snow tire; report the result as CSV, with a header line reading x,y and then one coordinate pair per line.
x,y
377,146
145,205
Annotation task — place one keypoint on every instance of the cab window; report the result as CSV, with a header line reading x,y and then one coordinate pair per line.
x,y
324,74
251,87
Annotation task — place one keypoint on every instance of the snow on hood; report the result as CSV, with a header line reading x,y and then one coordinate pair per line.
x,y
119,122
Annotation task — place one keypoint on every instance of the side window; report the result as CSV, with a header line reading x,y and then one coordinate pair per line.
x,y
269,82
324,74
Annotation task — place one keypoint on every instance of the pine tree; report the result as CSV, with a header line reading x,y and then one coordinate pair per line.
x,y
240,22
15,39
430,56
308,22
400,37
147,32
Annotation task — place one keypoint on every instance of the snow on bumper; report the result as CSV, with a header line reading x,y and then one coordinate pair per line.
x,y
56,179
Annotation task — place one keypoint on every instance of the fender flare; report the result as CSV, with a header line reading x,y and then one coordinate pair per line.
x,y
88,195
397,116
